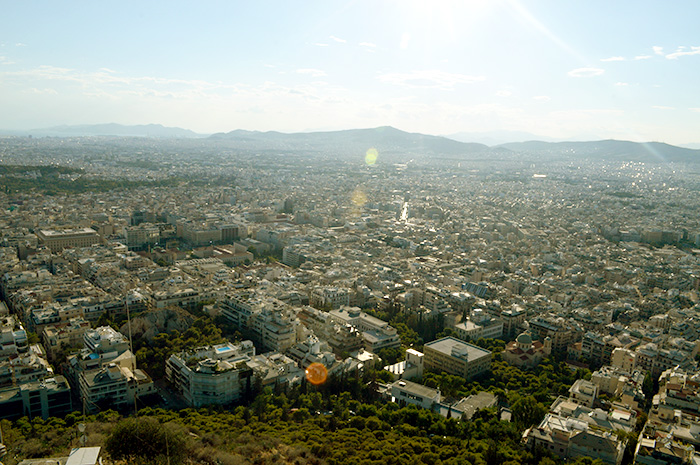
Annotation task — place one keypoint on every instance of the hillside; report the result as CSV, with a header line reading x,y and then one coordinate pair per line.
x,y
617,150
386,140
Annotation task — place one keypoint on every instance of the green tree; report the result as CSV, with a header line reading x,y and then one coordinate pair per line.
x,y
527,411
146,440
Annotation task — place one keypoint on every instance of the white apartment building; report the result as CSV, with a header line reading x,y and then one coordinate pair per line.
x,y
211,375
60,336
377,334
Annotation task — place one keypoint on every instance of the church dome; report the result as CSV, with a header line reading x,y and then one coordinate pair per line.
x,y
524,339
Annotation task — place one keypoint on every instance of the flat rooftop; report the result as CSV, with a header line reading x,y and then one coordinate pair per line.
x,y
415,388
66,232
451,346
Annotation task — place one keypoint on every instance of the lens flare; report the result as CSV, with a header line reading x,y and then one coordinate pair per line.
x,y
371,156
316,374
359,198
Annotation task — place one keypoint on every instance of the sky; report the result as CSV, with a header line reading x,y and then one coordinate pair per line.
x,y
578,70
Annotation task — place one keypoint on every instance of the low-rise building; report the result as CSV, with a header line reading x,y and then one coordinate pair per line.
x,y
406,392
410,368
456,357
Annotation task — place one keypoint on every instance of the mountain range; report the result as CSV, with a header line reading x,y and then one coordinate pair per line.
x,y
391,141
110,129
386,139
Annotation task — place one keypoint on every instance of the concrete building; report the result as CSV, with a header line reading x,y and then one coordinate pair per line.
x,y
513,319
13,338
406,392
113,386
211,375
377,334
583,392
410,368
57,240
570,438
50,397
61,336
329,298
456,357
142,235
562,332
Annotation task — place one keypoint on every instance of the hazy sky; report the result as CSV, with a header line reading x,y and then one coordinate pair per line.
x,y
566,69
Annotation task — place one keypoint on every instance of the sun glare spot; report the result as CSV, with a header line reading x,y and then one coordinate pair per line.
x,y
371,156
316,374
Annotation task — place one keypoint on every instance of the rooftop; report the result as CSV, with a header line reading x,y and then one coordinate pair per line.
x,y
456,348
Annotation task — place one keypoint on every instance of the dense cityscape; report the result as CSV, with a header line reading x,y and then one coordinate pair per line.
x,y
229,305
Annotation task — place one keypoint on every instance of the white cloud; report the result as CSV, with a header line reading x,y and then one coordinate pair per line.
x,y
642,57
5,61
20,44
338,39
504,93
368,44
405,40
697,110
542,98
312,72
683,51
429,79
34,90
658,50
614,59
586,72
320,44
662,107
621,84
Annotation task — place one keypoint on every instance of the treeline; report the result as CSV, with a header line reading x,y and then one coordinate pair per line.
x,y
303,426
343,421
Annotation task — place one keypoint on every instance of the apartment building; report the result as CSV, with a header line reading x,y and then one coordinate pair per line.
x,y
377,334
50,397
13,337
211,375
113,386
60,336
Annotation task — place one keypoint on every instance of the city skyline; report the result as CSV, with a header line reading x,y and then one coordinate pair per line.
x,y
565,71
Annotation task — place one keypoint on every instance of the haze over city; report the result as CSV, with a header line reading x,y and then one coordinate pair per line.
x,y
349,233
562,70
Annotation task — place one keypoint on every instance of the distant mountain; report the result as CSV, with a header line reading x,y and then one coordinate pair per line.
x,y
617,150
386,139
112,129
497,137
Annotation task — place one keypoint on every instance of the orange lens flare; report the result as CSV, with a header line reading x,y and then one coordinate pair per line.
x,y
316,374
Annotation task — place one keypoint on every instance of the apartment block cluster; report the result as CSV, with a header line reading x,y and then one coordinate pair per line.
x,y
299,258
